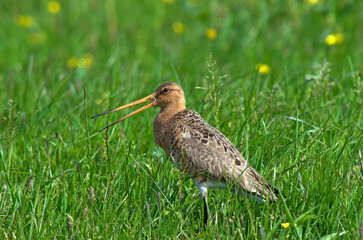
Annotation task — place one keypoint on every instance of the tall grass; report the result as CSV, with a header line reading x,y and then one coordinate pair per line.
x,y
300,124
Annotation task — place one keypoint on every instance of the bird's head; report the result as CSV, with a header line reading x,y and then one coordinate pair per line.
x,y
168,96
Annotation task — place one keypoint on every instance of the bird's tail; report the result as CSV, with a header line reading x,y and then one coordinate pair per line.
x,y
256,187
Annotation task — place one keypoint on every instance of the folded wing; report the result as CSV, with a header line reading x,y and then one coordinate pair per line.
x,y
208,153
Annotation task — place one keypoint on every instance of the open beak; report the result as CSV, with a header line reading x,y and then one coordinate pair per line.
x,y
145,99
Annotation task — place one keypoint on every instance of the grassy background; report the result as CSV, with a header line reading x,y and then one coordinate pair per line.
x,y
300,125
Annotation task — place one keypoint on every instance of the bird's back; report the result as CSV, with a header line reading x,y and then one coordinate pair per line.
x,y
207,155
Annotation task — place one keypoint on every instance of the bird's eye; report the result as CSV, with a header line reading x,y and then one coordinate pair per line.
x,y
165,90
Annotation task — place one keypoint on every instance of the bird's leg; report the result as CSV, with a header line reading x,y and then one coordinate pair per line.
x,y
206,212
203,189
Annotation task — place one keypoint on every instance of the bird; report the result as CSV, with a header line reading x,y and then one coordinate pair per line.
x,y
198,149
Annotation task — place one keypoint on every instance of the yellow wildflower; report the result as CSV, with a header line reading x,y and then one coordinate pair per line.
x,y
72,62
286,225
178,28
334,39
36,38
168,1
53,7
263,68
313,2
84,62
211,33
24,21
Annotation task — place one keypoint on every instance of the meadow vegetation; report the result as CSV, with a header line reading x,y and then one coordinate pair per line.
x,y
281,79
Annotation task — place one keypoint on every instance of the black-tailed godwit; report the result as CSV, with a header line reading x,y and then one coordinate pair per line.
x,y
199,149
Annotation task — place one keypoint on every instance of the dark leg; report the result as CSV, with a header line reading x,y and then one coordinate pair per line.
x,y
206,212
203,189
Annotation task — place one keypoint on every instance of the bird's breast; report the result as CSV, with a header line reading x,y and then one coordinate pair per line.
x,y
162,133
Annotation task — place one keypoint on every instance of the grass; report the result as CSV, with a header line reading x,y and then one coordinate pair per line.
x,y
300,125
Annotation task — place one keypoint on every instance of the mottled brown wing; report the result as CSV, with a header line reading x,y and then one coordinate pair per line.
x,y
207,150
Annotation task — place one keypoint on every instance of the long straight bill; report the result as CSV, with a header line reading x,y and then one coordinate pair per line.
x,y
145,99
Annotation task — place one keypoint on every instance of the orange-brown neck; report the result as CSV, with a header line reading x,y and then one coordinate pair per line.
x,y
162,120
167,112
172,108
